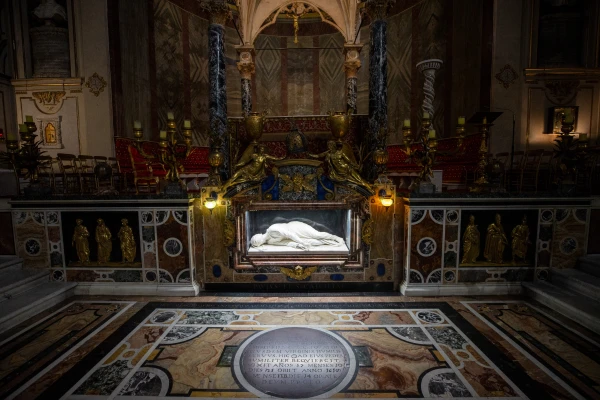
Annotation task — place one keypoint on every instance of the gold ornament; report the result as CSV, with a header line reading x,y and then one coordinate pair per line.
x,y
298,273
495,242
228,233
471,242
252,170
339,123
298,183
80,241
104,240
128,246
520,240
342,165
367,231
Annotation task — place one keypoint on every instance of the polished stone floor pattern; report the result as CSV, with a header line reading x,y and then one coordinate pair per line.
x,y
299,347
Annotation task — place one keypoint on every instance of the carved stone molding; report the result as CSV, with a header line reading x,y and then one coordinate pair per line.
x,y
352,60
507,76
561,92
96,84
218,9
49,102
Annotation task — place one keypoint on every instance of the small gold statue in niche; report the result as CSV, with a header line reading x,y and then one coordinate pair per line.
x,y
128,246
104,240
471,242
495,242
80,241
252,168
520,241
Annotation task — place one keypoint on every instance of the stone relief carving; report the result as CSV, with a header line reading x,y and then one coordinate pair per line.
x,y
96,84
49,102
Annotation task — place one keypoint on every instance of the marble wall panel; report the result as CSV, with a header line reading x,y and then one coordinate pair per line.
x,y
383,222
31,238
569,241
216,257
300,72
426,245
268,75
172,245
199,88
399,69
7,238
332,81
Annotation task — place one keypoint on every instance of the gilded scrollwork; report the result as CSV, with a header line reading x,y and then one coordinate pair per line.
x,y
368,231
298,273
298,183
228,233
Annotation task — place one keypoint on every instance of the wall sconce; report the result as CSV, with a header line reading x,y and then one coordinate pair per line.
x,y
386,199
211,201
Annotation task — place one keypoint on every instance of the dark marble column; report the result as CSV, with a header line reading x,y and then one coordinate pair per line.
x,y
377,90
217,102
246,68
351,66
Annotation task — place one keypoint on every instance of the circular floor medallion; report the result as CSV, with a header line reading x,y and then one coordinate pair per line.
x,y
294,363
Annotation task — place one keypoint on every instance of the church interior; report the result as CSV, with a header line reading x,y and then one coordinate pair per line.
x,y
346,199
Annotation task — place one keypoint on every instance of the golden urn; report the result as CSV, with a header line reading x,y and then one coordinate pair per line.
x,y
380,156
254,122
339,123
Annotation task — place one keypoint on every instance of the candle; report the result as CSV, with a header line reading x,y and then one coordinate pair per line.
x,y
485,120
23,128
11,136
187,123
583,137
432,134
163,135
461,120
406,123
170,115
137,124
425,115
28,118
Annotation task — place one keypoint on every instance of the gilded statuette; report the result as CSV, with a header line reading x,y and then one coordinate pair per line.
x,y
471,242
81,242
104,240
252,168
342,165
520,241
495,242
128,246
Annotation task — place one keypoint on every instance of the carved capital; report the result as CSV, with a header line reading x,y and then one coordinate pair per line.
x,y
246,69
218,9
378,9
351,68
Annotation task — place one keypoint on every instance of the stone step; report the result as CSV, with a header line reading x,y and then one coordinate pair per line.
x,y
577,281
590,264
579,308
15,281
32,302
10,262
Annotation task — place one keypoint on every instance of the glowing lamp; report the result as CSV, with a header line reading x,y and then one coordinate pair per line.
x,y
211,201
385,199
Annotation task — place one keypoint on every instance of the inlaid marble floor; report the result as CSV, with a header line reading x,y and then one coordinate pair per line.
x,y
299,347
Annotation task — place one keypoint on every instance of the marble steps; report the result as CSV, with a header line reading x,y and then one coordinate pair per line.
x,y
576,281
590,264
573,305
10,262
15,281
33,301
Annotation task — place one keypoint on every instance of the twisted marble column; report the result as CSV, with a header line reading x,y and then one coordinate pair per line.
x,y
217,91
246,68
428,68
351,66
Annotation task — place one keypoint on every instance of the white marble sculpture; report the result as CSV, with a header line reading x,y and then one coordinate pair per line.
x,y
297,235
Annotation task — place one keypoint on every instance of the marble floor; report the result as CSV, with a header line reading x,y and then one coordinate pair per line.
x,y
299,347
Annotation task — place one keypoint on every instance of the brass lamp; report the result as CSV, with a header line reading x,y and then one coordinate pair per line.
x,y
385,198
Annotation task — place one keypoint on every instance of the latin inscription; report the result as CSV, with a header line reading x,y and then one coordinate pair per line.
x,y
295,362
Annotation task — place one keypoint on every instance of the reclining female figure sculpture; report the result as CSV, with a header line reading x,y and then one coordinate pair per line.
x,y
295,234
